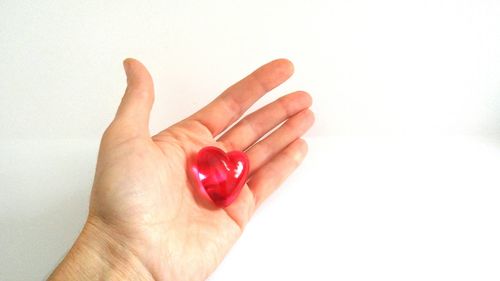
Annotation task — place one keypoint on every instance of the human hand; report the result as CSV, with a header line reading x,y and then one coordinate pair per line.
x,y
146,220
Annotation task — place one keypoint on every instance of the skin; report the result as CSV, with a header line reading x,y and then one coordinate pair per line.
x,y
147,220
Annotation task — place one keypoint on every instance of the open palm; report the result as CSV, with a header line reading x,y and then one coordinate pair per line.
x,y
143,194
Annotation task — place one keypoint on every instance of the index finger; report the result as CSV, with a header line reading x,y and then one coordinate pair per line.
x,y
233,102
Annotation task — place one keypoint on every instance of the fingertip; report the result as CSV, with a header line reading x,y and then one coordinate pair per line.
x,y
304,146
306,118
126,67
137,74
295,102
126,61
287,63
284,65
301,148
301,144
312,116
302,121
309,98
127,64
305,97
129,60
133,64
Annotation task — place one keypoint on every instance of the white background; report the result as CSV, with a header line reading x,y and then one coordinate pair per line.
x,y
403,177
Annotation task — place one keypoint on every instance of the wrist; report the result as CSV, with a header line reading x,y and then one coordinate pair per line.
x,y
98,255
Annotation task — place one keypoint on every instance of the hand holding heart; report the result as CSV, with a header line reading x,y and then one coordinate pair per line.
x,y
144,199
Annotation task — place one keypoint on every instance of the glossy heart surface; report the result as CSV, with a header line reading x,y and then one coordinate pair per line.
x,y
222,175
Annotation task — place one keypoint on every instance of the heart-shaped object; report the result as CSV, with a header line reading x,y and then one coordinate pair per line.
x,y
221,175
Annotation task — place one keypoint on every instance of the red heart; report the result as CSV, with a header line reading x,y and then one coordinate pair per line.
x,y
220,174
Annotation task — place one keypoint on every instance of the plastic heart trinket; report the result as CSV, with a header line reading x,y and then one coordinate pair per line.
x,y
221,175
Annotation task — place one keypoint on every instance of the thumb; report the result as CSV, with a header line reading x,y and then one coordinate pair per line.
x,y
136,104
